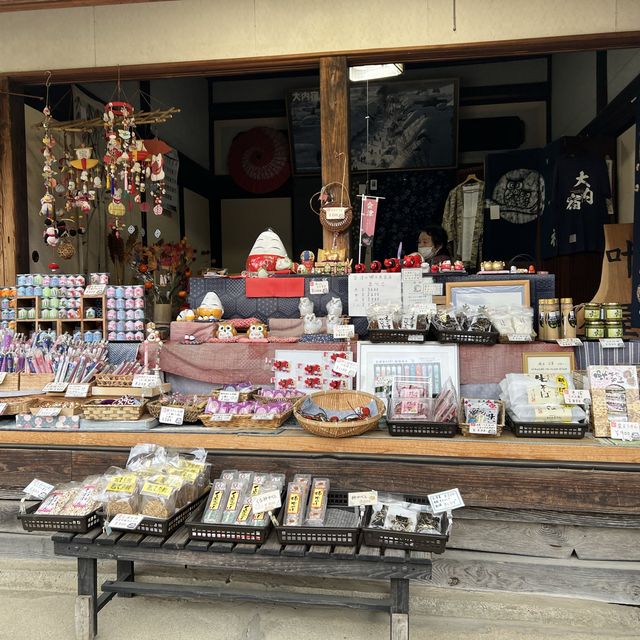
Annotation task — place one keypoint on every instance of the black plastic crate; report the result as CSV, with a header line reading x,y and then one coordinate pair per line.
x,y
563,430
466,337
410,336
422,429
71,524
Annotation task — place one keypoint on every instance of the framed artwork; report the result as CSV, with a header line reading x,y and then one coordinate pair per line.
x,y
379,364
309,371
489,293
412,125
548,362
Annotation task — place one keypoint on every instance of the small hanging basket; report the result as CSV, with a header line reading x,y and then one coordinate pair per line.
x,y
336,213
65,249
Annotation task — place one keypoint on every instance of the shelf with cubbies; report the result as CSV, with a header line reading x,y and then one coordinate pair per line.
x,y
94,306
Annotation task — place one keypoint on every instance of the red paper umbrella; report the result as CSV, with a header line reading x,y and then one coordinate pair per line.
x,y
259,160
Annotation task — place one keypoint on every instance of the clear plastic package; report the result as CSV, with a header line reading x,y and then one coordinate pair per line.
x,y
318,500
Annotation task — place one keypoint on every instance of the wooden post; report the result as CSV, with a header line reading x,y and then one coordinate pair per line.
x,y
334,132
14,235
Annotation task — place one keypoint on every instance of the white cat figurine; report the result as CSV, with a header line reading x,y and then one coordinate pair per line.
x,y
312,324
334,307
305,307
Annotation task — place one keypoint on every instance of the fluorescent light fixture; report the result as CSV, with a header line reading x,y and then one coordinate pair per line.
x,y
375,71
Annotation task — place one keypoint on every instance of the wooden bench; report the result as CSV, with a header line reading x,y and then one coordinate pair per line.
x,y
361,562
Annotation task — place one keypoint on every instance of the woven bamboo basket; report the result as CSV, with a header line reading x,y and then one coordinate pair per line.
x,y
95,411
74,410
465,427
11,382
191,413
114,380
16,406
261,399
339,401
35,380
246,421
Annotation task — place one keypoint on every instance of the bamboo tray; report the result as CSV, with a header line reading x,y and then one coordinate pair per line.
x,y
113,380
75,410
35,380
246,421
242,397
16,406
11,382
136,392
191,413
94,411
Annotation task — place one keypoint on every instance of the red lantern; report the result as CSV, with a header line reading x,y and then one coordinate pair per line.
x,y
360,268
375,266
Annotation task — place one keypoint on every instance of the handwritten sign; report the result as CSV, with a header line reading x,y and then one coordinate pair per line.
x,y
172,415
519,337
48,412
625,431
127,521
318,287
221,417
345,367
3,375
416,337
95,290
3,407
55,387
267,501
362,498
433,289
77,391
344,331
229,396
484,428
445,500
38,489
369,289
145,380
569,342
577,396
426,308
611,343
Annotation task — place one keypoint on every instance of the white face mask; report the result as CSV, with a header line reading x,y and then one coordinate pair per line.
x,y
426,252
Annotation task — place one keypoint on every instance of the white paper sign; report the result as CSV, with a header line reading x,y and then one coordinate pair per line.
x,y
48,412
172,415
345,367
77,391
95,290
425,308
519,337
221,417
38,489
611,343
128,521
344,331
55,387
433,289
411,275
445,500
368,289
625,431
3,407
485,428
494,212
416,337
569,342
229,396
362,498
577,396
318,287
145,380
267,501
3,375
335,213
262,416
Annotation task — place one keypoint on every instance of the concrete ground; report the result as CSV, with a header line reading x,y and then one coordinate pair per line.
x,y
37,603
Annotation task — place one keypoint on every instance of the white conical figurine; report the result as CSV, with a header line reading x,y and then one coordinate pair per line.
x,y
265,252
305,307
334,307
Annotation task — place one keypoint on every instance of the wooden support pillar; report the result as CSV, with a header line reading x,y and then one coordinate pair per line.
x,y
14,234
334,132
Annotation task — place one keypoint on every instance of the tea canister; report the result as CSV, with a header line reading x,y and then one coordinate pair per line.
x,y
553,319
591,311
542,318
613,329
612,311
594,330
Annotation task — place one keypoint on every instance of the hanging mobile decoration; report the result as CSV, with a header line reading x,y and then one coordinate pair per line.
x,y
47,202
157,178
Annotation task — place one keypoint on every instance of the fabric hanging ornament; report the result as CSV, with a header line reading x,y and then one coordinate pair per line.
x,y
65,249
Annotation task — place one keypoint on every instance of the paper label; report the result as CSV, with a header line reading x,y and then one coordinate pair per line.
x,y
418,337
77,391
221,417
426,308
345,367
335,213
3,375
344,331
152,488
232,502
122,484
362,498
229,396
409,322
267,501
293,507
216,499
413,276
494,212
433,289
611,343
569,342
3,407
384,322
262,416
55,387
445,500
577,396
244,513
172,415
573,238
38,489
48,412
128,521
484,428
519,337
145,380
625,431
318,287
95,290
553,412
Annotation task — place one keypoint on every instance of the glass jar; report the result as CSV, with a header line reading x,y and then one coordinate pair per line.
x,y
612,311
613,329
594,330
591,311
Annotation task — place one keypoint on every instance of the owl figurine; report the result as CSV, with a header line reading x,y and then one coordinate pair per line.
x,y
257,331
312,325
226,331
305,307
332,321
334,307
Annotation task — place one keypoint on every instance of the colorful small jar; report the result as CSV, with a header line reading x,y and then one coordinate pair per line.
x,y
112,336
121,336
130,315
128,292
139,303
613,329
111,292
112,325
139,336
594,330
129,336
612,311
111,303
112,314
591,311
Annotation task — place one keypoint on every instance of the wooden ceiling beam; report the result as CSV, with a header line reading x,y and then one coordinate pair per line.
x,y
31,5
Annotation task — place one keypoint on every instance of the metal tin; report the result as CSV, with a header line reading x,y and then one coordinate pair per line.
x,y
594,330
591,311
553,319
613,329
612,311
568,318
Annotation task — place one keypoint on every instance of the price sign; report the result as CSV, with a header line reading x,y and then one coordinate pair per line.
x,y
221,417
55,387
38,489
318,287
128,521
577,396
487,428
611,343
267,501
3,375
145,380
363,498
95,290
229,396
172,415
345,367
262,416
519,337
3,407
416,337
625,431
335,213
569,342
344,331
445,500
77,391
48,412
425,308
433,289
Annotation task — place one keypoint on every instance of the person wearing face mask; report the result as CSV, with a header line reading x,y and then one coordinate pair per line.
x,y
432,244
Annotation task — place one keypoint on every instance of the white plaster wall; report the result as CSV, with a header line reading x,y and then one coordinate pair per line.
x,y
214,29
